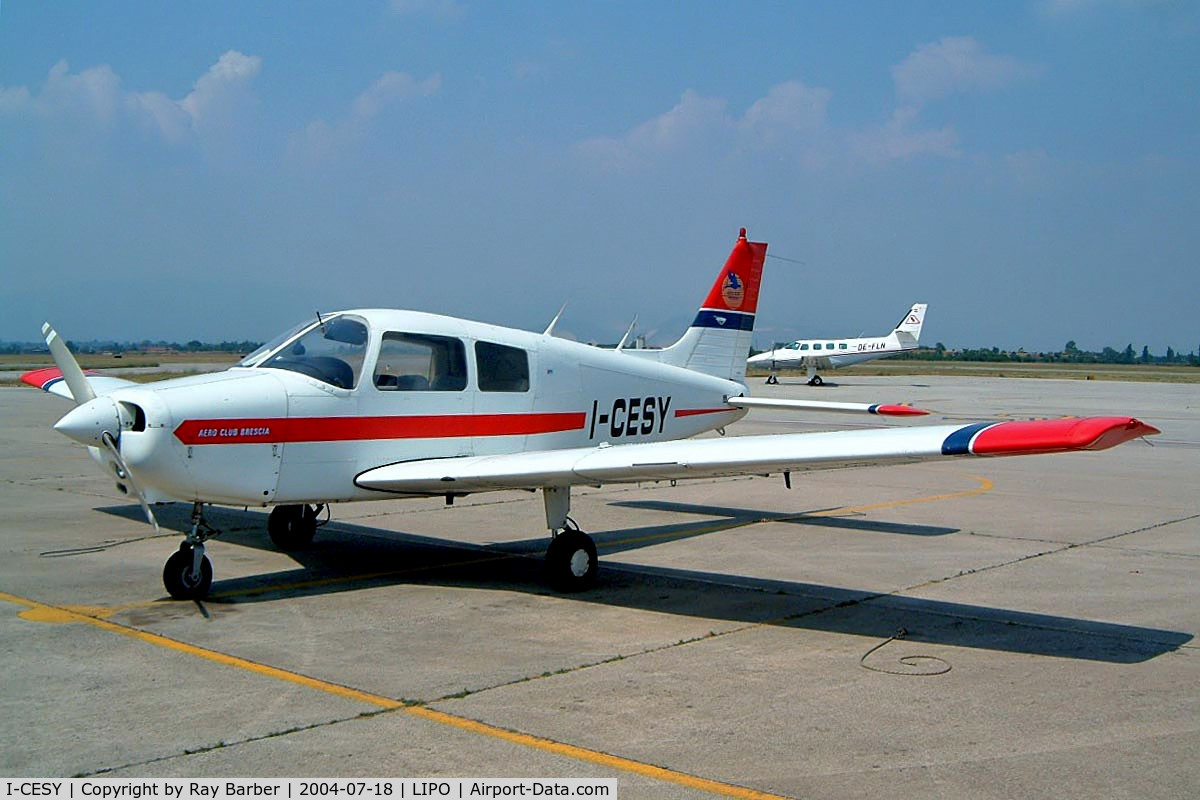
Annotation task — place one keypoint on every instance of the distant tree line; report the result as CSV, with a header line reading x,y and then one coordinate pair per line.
x,y
94,346
1070,354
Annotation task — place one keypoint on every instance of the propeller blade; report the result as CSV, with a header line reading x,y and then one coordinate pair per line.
x,y
114,450
81,390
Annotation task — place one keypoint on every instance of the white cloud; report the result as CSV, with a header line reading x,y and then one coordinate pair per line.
x,y
789,107
791,117
897,139
159,113
94,93
13,100
694,119
94,96
321,139
393,87
955,64
214,91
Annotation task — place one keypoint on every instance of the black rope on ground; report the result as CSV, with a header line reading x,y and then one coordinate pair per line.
x,y
908,661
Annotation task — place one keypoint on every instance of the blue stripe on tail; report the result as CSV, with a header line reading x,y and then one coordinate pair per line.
x,y
725,320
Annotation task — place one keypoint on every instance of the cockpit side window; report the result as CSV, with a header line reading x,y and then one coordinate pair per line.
x,y
332,352
502,368
417,362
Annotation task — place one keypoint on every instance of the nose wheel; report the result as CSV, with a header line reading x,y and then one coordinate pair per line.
x,y
188,573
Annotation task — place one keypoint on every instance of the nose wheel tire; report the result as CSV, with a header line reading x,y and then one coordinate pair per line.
x,y
182,580
571,562
292,527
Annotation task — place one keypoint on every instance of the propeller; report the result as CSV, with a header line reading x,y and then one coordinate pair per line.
x,y
81,390
96,421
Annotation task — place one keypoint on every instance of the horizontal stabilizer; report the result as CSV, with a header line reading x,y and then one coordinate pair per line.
x,y
883,409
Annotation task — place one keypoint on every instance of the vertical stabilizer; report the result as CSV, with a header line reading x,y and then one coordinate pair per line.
x,y
718,341
908,332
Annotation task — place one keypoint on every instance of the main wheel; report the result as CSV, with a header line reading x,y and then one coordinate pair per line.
x,y
292,527
179,580
571,561
816,381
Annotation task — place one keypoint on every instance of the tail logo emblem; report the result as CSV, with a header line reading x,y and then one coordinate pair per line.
x,y
733,291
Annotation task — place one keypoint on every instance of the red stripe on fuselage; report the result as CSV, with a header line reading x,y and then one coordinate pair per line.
x,y
691,412
278,430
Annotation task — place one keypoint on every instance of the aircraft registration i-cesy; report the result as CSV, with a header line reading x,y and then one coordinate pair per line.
x,y
817,354
371,403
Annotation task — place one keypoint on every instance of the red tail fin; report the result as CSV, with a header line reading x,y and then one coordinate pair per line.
x,y
736,288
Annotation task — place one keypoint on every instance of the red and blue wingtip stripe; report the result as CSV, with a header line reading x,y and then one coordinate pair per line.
x,y
42,378
1044,436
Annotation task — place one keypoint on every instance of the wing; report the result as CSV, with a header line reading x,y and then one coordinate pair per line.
x,y
51,380
748,455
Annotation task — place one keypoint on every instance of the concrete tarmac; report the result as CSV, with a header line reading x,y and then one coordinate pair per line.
x,y
1050,605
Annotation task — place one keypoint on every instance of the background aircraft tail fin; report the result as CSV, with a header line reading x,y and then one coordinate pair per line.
x,y
718,341
909,329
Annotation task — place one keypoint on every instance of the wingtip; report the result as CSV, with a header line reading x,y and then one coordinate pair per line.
x,y
895,410
1059,435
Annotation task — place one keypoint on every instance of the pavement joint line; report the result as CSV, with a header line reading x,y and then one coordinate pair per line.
x,y
592,756
49,613
44,612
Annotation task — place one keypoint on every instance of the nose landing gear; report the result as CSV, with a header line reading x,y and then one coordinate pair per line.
x,y
188,573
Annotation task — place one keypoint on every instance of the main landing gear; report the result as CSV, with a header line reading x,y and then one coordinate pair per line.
x,y
293,527
813,378
188,573
571,562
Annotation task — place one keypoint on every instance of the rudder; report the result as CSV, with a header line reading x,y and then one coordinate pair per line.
x,y
718,341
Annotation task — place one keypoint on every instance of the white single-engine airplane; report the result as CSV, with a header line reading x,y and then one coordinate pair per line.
x,y
371,403
832,353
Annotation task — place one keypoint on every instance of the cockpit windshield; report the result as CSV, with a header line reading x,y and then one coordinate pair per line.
x,y
331,350
258,355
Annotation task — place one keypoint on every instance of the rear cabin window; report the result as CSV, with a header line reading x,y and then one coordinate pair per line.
x,y
502,368
841,346
417,362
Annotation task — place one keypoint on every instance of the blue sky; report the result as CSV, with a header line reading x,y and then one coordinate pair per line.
x,y
222,170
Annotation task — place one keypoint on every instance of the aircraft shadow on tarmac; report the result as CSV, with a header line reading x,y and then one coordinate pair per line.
x,y
350,557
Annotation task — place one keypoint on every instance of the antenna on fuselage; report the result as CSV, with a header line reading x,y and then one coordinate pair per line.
x,y
625,338
550,328
321,322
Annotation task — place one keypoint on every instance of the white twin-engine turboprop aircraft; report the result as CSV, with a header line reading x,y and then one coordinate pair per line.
x,y
831,353
370,403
